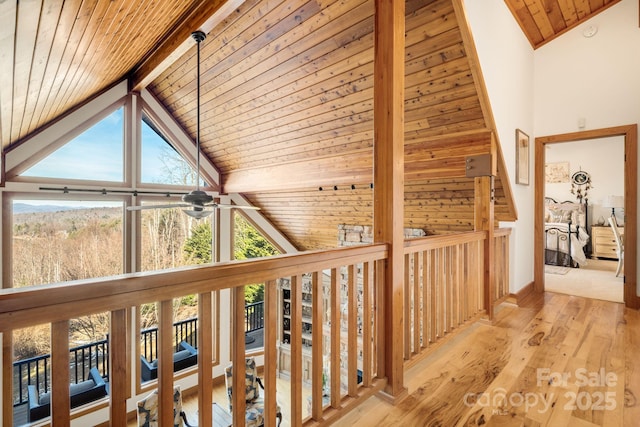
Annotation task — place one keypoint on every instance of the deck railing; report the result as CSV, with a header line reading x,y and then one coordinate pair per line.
x,y
184,330
37,370
254,316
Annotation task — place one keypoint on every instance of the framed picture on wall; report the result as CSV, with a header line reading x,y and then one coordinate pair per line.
x,y
522,158
556,172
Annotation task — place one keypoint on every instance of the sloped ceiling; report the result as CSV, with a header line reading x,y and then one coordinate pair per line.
x,y
287,97
544,20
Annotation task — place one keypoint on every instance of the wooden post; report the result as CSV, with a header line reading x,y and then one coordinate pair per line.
x,y
205,356
270,350
296,350
316,350
484,219
119,367
7,380
165,362
60,399
238,356
388,216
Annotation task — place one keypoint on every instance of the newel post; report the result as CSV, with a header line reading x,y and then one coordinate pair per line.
x,y
483,169
388,219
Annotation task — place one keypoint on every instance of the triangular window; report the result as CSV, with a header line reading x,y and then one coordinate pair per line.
x,y
161,163
96,154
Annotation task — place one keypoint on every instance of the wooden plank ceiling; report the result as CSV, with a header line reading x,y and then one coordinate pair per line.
x,y
287,99
544,20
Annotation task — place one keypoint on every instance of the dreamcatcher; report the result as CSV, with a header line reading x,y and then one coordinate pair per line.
x,y
580,185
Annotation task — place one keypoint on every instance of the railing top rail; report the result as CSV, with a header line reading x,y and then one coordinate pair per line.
x,y
442,241
177,323
503,231
253,304
20,307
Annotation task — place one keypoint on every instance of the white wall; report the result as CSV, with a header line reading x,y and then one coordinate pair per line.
x,y
507,62
595,79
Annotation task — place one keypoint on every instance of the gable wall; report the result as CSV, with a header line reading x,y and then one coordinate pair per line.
x,y
506,58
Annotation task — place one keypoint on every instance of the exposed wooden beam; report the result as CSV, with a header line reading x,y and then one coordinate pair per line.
x,y
204,18
389,179
353,168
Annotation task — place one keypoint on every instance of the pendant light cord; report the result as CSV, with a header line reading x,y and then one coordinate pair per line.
x,y
198,36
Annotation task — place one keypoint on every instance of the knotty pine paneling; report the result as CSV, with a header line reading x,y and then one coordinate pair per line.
x,y
310,217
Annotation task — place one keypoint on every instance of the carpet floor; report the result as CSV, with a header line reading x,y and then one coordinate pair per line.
x,y
597,279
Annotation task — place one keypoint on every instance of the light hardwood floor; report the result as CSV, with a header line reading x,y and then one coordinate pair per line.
x,y
511,373
526,369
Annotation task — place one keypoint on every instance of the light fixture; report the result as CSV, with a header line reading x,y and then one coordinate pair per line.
x,y
197,197
613,202
590,31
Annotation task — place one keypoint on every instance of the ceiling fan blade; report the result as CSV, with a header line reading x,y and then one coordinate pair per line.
x,y
167,206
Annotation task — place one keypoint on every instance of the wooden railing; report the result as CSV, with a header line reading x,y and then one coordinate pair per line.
x,y
443,289
353,294
444,285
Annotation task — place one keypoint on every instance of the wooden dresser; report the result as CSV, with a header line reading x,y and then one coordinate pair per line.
x,y
603,242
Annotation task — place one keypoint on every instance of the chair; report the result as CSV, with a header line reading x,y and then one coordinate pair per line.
x,y
93,388
255,403
185,357
619,244
148,410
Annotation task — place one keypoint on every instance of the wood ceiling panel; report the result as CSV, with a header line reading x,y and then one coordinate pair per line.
x,y
67,51
544,20
287,90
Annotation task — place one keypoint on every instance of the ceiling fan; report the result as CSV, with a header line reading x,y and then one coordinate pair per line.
x,y
200,204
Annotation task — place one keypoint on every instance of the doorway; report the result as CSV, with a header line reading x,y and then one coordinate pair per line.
x,y
630,135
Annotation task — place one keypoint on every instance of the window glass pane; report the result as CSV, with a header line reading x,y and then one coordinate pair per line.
x,y
161,163
171,238
250,243
96,154
62,240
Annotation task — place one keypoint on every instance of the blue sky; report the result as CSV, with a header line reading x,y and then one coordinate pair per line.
x,y
97,154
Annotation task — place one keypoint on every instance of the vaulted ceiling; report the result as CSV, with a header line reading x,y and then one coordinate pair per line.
x,y
287,96
544,20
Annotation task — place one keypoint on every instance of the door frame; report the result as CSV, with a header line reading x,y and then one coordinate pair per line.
x,y
630,134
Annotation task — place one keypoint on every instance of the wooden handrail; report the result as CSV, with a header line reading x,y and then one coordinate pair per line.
x,y
57,304
444,287
442,241
20,307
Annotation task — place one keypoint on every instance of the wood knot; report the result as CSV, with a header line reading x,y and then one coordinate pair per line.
x,y
536,339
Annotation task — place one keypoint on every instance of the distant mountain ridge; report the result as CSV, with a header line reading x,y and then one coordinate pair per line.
x,y
19,208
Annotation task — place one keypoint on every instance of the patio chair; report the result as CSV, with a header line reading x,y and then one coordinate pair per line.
x,y
148,410
93,388
254,416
